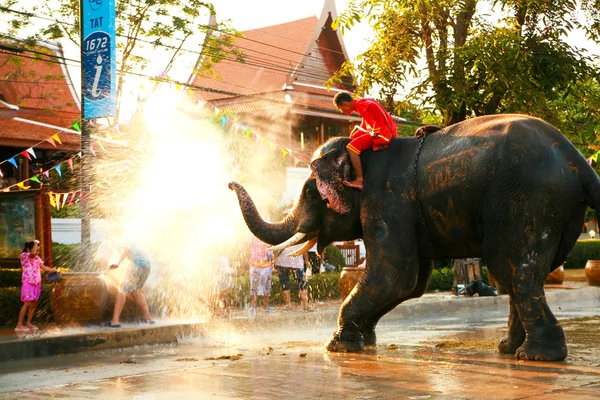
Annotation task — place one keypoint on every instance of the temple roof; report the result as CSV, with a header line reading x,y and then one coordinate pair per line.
x,y
36,87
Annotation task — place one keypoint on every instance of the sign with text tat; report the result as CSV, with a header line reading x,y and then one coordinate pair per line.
x,y
99,86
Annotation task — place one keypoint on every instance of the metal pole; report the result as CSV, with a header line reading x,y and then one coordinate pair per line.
x,y
85,157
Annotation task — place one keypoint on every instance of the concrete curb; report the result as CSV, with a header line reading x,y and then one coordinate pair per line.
x,y
430,305
468,304
101,340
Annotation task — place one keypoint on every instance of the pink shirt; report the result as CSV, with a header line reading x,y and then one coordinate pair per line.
x,y
31,269
260,256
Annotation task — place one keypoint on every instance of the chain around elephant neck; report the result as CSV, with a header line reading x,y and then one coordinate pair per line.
x,y
417,197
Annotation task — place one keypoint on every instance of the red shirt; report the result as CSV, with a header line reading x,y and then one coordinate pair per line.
x,y
375,119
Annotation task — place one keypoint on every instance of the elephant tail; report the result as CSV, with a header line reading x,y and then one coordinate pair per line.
x,y
591,190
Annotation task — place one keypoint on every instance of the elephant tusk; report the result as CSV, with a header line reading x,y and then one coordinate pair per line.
x,y
307,246
298,236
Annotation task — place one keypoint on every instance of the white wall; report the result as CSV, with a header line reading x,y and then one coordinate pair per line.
x,y
68,231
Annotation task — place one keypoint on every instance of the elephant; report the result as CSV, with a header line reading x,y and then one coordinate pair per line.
x,y
508,188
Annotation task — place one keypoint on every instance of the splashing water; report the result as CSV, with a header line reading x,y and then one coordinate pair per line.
x,y
168,193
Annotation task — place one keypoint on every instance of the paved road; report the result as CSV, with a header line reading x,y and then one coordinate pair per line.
x,y
437,357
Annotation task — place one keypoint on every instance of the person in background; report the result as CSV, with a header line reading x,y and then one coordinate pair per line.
x,y
286,266
225,286
31,284
132,282
261,269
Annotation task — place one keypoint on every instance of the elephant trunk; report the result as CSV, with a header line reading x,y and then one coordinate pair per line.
x,y
271,233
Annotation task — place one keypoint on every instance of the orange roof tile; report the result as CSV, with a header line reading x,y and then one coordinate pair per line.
x,y
272,53
43,92
21,134
32,83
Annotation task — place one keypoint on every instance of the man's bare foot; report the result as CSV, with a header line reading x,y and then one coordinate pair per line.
x,y
354,184
32,327
21,328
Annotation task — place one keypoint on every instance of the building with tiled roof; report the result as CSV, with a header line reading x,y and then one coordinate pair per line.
x,y
279,87
37,100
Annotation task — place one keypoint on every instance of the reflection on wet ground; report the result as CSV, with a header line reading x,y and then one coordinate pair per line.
x,y
427,358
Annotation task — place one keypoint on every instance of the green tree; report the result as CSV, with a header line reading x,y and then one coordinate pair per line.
x,y
472,67
140,25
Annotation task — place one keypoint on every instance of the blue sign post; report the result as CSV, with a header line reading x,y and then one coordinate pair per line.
x,y
98,90
99,85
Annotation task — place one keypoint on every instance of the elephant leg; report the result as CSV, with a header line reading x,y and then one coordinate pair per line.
x,y
516,333
384,284
523,273
544,337
368,328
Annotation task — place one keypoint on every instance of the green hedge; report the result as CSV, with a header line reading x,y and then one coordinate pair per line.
x,y
10,305
335,257
321,287
10,278
65,255
443,278
583,251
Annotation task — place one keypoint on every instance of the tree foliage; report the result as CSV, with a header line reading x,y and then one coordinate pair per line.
x,y
465,64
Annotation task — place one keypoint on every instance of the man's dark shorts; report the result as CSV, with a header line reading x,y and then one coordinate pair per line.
x,y
284,278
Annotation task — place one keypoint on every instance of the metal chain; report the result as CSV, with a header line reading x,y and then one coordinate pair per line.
x,y
417,199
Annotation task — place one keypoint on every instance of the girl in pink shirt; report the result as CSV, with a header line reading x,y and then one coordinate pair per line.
x,y
31,280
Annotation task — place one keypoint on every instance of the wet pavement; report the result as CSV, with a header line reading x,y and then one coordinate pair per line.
x,y
439,356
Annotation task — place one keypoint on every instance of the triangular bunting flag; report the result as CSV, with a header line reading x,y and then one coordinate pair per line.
x,y
285,152
257,138
100,144
35,179
30,151
57,168
262,139
248,133
57,200
47,173
22,185
13,162
82,195
51,141
223,120
70,162
271,145
51,197
79,154
236,127
25,154
76,126
73,194
92,150
178,87
65,196
56,138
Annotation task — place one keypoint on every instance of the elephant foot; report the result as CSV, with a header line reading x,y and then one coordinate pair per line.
x,y
509,345
369,338
543,344
340,343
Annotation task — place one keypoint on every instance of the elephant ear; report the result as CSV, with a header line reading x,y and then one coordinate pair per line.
x,y
330,171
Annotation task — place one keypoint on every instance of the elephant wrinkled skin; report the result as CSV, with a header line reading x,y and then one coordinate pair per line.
x,y
510,189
